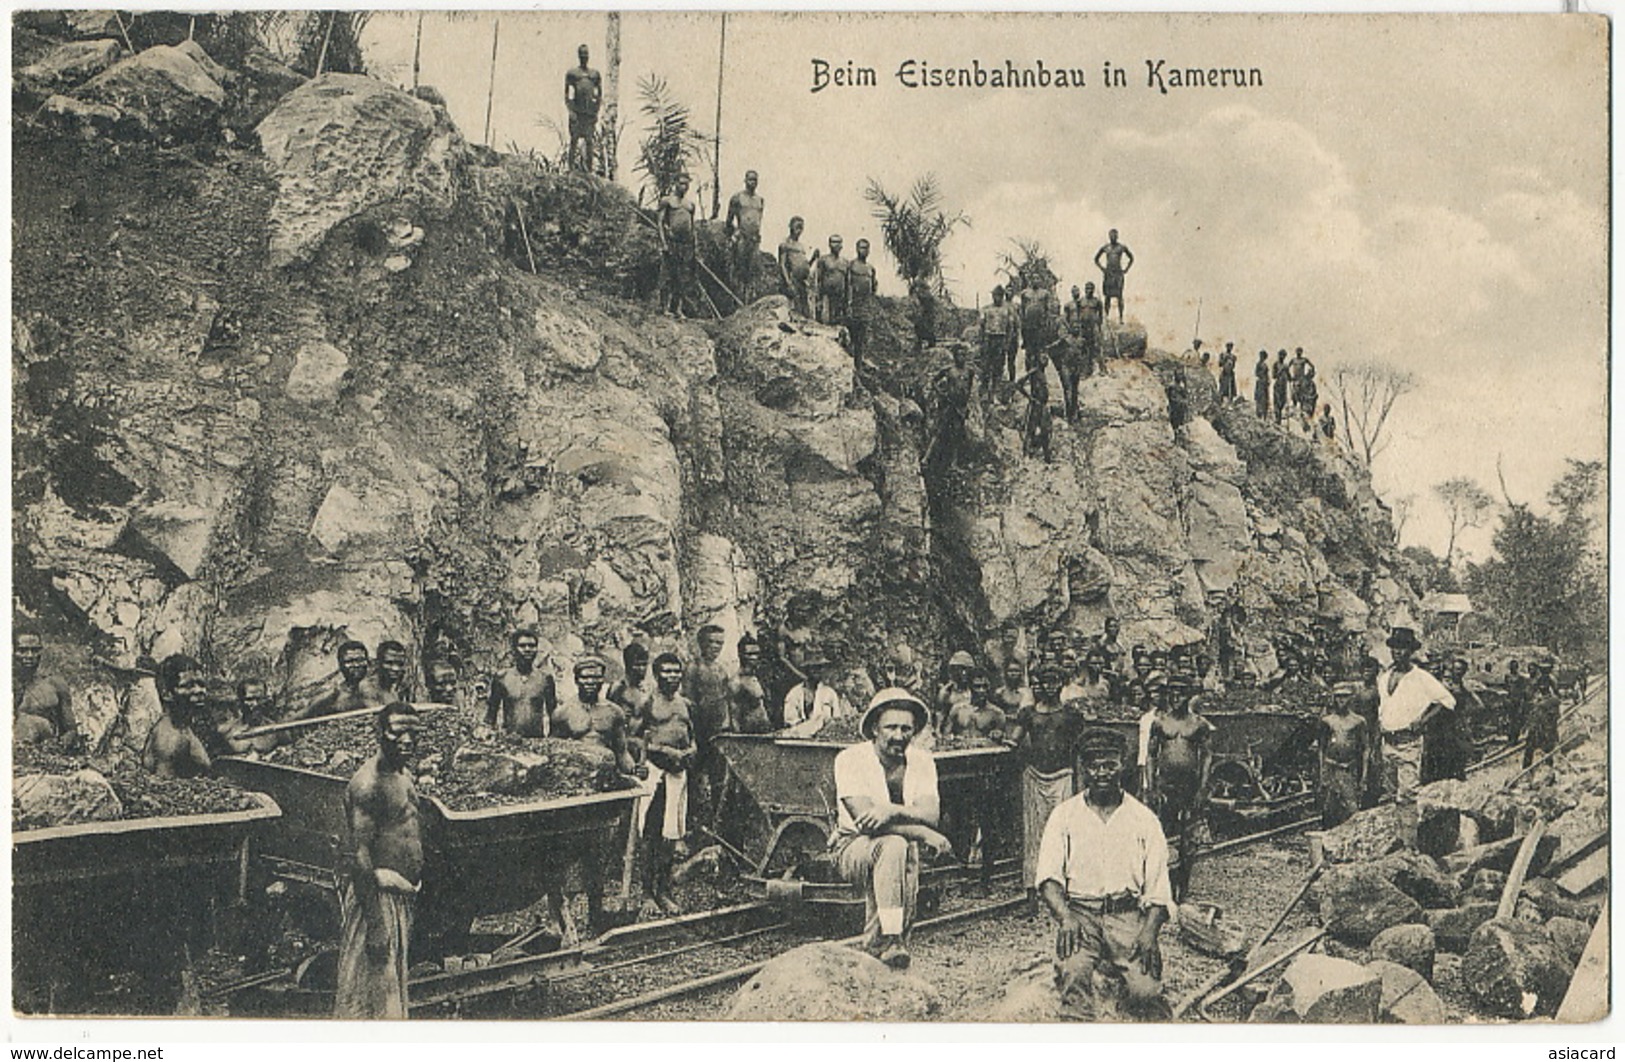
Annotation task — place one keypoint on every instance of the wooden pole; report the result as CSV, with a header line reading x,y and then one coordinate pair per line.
x,y
610,125
327,38
519,210
417,51
491,87
716,142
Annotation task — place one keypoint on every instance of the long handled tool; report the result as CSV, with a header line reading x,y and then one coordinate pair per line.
x,y
353,713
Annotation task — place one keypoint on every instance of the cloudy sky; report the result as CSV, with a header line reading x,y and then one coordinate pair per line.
x,y
1427,191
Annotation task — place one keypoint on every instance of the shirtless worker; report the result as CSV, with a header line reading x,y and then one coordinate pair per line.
x,y
795,271
830,284
1037,432
998,335
1013,694
1344,754
1040,317
382,874
1043,734
42,706
523,696
1094,316
1227,373
440,682
1180,757
1261,385
706,686
1281,379
743,228
254,709
667,730
393,685
862,283
747,697
354,689
1118,260
175,746
586,717
1071,366
679,244
635,688
583,93
982,813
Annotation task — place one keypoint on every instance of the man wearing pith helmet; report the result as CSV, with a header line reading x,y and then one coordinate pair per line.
x,y
887,806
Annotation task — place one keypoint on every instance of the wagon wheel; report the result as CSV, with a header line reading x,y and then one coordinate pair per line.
x,y
796,840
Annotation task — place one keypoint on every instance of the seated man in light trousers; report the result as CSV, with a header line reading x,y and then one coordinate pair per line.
x,y
887,806
1103,875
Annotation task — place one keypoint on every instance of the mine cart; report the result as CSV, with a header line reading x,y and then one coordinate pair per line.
x,y
780,810
488,861
124,901
1263,766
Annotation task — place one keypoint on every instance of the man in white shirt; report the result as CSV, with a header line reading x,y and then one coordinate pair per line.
x,y
886,807
811,704
1408,700
1103,875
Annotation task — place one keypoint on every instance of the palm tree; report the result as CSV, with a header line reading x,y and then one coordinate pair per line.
x,y
672,144
914,229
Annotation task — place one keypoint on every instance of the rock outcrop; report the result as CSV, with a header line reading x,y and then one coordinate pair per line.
x,y
1318,989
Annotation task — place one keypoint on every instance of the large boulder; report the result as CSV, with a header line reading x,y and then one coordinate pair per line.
x,y
164,91
1554,901
65,66
342,144
1407,997
44,800
790,363
1513,970
1453,927
1358,902
828,982
1408,945
1570,935
1367,835
1319,989
1419,877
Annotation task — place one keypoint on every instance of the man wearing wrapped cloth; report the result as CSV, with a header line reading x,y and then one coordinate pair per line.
x,y
1103,874
886,807
1408,700
1044,735
382,878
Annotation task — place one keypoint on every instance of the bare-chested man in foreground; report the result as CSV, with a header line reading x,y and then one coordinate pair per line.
x,y
1344,752
743,227
523,696
668,734
795,270
175,746
354,688
746,695
383,874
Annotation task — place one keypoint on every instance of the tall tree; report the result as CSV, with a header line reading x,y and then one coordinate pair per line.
x,y
1368,391
1466,504
609,120
1547,582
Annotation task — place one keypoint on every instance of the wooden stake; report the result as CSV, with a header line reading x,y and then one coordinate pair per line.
x,y
525,234
491,88
1520,869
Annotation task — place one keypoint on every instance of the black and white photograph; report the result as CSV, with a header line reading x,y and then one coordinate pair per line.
x,y
842,517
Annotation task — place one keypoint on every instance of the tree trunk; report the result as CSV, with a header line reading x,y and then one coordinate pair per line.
x,y
609,123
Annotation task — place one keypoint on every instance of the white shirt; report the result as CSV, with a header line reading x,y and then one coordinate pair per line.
x,y
1417,689
1093,858
804,714
859,773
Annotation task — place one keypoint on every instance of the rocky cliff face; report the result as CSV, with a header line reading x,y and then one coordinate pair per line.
x,y
305,386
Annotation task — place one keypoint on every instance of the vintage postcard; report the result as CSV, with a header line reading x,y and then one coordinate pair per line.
x,y
809,517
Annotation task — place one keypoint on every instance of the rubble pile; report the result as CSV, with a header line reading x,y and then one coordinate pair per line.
x,y
1443,918
463,764
52,789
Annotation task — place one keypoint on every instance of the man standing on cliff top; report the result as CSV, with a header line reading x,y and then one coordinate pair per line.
x,y
743,227
583,92
1118,261
679,245
795,269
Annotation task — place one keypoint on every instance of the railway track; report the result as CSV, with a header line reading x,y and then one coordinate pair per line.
x,y
646,966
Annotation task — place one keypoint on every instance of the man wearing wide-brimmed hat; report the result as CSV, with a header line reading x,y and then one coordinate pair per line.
x,y
1103,875
886,807
1409,698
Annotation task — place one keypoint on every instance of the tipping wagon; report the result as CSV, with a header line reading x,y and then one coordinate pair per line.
x,y
131,897
780,810
481,862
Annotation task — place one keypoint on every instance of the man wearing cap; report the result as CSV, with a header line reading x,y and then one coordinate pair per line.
x,y
1103,874
886,806
1343,740
1409,698
811,703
